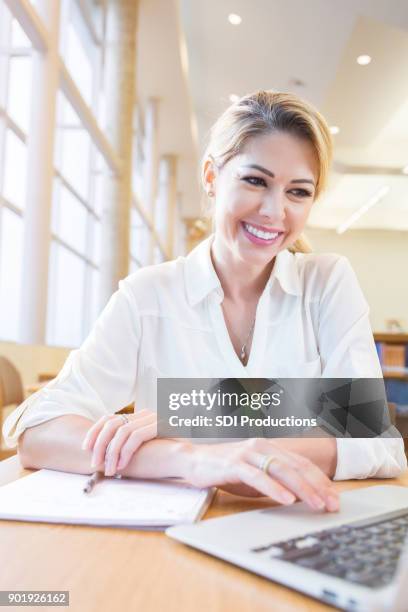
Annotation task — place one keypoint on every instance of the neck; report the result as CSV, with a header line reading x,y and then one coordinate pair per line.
x,y
239,280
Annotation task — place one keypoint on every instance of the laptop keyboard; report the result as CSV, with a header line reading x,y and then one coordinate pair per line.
x,y
363,552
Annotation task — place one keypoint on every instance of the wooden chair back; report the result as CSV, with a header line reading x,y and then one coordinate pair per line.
x,y
11,392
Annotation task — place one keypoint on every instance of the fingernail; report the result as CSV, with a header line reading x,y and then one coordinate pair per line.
x,y
109,467
287,498
84,444
317,502
333,503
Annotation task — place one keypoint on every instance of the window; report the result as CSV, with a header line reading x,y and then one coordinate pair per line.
x,y
11,242
73,300
79,48
158,255
78,175
15,106
140,239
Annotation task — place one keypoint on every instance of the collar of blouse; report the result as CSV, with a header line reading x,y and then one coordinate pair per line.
x,y
201,279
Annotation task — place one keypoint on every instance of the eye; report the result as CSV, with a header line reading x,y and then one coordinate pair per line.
x,y
254,180
301,193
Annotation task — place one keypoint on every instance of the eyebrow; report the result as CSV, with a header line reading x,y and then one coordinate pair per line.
x,y
271,174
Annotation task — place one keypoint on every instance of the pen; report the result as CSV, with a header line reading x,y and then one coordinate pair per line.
x,y
92,482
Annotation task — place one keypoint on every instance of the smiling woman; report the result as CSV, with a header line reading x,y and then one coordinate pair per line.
x,y
289,120
250,301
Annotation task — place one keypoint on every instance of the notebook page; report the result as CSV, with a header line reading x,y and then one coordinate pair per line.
x,y
52,496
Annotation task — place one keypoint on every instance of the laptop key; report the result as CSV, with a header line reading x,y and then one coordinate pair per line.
x,y
269,547
354,565
313,562
296,553
306,542
333,569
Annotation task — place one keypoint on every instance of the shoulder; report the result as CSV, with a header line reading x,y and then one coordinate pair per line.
x,y
321,273
319,263
151,284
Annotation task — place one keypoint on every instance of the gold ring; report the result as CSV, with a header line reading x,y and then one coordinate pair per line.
x,y
266,462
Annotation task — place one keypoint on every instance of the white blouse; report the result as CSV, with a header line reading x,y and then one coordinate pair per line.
x,y
166,320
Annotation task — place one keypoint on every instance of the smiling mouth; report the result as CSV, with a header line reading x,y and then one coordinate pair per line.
x,y
261,235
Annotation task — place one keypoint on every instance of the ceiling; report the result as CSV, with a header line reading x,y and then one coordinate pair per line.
x,y
192,58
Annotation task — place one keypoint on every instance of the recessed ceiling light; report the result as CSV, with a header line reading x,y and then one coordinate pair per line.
x,y
234,98
334,129
234,19
363,60
404,170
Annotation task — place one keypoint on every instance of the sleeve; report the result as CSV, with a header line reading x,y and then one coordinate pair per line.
x,y
347,350
98,378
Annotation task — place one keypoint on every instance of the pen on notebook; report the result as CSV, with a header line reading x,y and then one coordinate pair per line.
x,y
92,482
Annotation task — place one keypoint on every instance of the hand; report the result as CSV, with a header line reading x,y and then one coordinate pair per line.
x,y
114,441
289,475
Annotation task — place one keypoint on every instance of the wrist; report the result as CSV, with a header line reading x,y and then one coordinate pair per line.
x,y
160,458
321,451
184,459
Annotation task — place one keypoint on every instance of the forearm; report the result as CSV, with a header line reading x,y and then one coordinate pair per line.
x,y
56,445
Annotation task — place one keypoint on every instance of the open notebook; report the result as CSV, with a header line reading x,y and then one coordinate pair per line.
x,y
57,497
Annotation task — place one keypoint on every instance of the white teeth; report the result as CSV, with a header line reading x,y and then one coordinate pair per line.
x,y
260,233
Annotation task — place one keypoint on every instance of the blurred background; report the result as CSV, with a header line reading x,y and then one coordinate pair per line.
x,y
105,106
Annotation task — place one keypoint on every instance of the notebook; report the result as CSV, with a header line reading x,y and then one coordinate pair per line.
x,y
57,497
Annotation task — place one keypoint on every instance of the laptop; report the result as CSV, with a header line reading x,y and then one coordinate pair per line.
x,y
355,559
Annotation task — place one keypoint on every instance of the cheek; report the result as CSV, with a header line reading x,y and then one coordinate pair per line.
x,y
298,216
234,209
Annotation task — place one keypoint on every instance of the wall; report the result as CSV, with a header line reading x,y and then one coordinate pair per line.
x,y
380,260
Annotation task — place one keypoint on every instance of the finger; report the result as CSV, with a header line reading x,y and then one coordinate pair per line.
x,y
134,441
281,470
255,478
93,432
143,413
120,438
103,439
320,482
114,448
149,417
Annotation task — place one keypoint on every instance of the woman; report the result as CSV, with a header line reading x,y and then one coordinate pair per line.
x,y
247,302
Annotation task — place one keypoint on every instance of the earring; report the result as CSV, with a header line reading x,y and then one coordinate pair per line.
x,y
210,193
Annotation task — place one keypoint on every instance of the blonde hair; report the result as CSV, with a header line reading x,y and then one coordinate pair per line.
x,y
263,112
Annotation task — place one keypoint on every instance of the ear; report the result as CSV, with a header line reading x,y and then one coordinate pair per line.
x,y
209,174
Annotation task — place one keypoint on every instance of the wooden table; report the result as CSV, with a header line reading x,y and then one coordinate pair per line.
x,y
119,570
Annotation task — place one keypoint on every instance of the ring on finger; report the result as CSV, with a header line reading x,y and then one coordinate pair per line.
x,y
124,417
266,462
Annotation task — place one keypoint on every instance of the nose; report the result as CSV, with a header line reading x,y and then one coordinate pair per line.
x,y
273,205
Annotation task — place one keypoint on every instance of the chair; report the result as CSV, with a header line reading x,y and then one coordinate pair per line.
x,y
11,392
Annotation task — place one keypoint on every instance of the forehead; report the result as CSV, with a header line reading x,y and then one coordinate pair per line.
x,y
281,153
